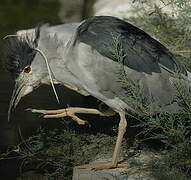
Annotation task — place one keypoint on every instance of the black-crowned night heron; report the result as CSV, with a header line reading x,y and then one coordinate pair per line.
x,y
82,57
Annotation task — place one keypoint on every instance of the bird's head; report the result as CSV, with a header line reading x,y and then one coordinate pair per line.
x,y
26,66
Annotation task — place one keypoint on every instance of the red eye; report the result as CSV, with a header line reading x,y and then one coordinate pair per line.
x,y
27,69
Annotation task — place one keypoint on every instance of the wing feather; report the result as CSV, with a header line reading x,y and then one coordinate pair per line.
x,y
142,52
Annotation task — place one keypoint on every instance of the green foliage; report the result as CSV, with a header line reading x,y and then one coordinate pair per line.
x,y
133,89
55,152
173,30
174,164
172,130
182,91
161,169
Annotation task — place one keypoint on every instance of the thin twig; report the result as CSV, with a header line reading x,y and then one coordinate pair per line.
x,y
49,72
182,51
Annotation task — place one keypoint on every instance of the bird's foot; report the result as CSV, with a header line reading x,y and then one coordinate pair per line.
x,y
70,112
101,166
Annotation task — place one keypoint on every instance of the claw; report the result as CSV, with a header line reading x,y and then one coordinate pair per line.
x,y
71,112
59,114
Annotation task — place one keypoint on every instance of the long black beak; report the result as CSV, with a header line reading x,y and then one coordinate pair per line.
x,y
16,96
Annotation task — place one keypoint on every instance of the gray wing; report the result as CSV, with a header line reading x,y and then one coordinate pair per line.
x,y
142,52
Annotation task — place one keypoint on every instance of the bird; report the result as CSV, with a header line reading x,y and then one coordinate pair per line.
x,y
88,57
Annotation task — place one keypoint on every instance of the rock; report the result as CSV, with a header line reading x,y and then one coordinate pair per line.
x,y
112,174
135,171
89,174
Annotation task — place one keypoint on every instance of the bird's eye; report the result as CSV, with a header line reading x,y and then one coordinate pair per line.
x,y
27,69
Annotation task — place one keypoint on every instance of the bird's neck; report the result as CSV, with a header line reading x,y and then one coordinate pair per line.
x,y
56,55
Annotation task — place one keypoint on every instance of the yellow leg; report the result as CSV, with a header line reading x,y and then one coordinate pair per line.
x,y
71,112
121,132
116,153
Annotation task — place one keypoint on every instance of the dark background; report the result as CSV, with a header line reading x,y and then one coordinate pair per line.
x,y
17,15
24,14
